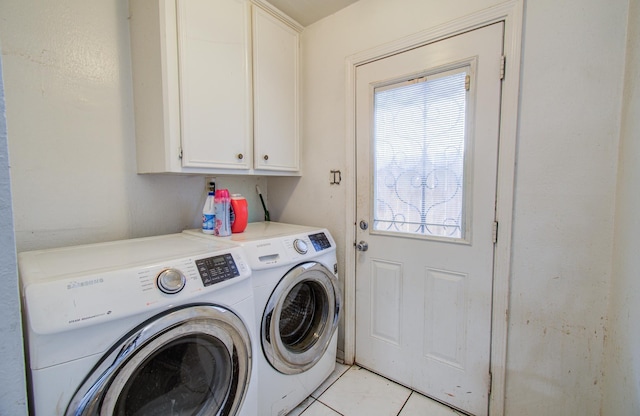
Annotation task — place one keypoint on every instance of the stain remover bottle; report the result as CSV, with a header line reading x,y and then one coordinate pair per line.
x,y
208,211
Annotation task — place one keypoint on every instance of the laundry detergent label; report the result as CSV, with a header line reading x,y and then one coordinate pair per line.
x,y
208,221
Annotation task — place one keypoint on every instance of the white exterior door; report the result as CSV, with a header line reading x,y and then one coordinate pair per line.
x,y
427,125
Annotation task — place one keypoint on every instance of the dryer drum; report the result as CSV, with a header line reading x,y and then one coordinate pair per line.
x,y
300,318
304,315
195,360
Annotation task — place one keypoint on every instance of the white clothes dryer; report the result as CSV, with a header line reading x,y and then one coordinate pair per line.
x,y
298,303
149,326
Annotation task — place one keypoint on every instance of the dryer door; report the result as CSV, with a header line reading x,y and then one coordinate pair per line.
x,y
300,318
195,360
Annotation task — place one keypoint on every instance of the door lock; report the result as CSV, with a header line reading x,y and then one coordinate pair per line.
x,y
364,225
362,246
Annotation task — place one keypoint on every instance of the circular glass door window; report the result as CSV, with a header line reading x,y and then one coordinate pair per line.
x,y
183,377
301,318
193,361
304,314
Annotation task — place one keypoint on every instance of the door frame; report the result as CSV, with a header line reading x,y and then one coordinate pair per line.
x,y
511,13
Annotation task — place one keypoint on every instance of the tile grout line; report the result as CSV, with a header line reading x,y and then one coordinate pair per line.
x,y
345,372
405,402
329,407
350,367
334,382
317,399
309,405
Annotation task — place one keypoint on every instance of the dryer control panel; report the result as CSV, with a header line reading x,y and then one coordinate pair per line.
x,y
289,249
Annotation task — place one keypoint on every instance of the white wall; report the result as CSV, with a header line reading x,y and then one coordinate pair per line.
x,y
13,396
571,81
565,192
71,131
622,375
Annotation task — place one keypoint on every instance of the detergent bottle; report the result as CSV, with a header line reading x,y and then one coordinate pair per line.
x,y
208,213
239,213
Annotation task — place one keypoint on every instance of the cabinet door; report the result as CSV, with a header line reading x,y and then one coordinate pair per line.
x,y
215,83
275,72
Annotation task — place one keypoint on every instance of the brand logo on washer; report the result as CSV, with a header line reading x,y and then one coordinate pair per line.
x,y
85,283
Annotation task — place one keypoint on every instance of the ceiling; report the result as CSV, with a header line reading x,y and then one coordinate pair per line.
x,y
307,12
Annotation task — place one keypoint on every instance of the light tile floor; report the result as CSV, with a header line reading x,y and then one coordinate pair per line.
x,y
354,391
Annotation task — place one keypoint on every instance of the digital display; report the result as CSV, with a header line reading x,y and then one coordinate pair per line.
x,y
320,241
217,269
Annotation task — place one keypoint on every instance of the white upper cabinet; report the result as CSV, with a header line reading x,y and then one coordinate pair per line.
x,y
215,87
214,72
275,93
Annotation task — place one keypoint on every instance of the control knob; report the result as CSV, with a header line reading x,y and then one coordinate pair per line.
x,y
300,246
171,281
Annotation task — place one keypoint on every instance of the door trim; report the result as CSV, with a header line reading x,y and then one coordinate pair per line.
x,y
511,13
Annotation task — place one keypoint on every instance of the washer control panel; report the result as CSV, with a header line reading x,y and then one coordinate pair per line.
x,y
217,269
320,241
300,246
171,281
82,300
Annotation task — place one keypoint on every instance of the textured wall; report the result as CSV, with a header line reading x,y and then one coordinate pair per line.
x,y
565,197
13,400
622,375
71,131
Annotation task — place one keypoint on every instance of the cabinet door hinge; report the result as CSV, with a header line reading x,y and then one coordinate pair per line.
x,y
180,153
503,60
494,232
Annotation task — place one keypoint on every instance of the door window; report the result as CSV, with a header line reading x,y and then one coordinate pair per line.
x,y
419,161
183,377
194,360
300,318
304,315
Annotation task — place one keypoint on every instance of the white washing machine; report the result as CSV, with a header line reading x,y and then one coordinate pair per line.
x,y
150,326
298,302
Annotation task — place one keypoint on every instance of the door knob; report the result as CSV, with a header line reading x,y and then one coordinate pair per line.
x,y
362,246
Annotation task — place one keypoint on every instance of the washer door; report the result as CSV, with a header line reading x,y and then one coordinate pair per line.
x,y
195,360
300,318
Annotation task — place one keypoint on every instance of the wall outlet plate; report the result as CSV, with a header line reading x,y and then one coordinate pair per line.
x,y
208,181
